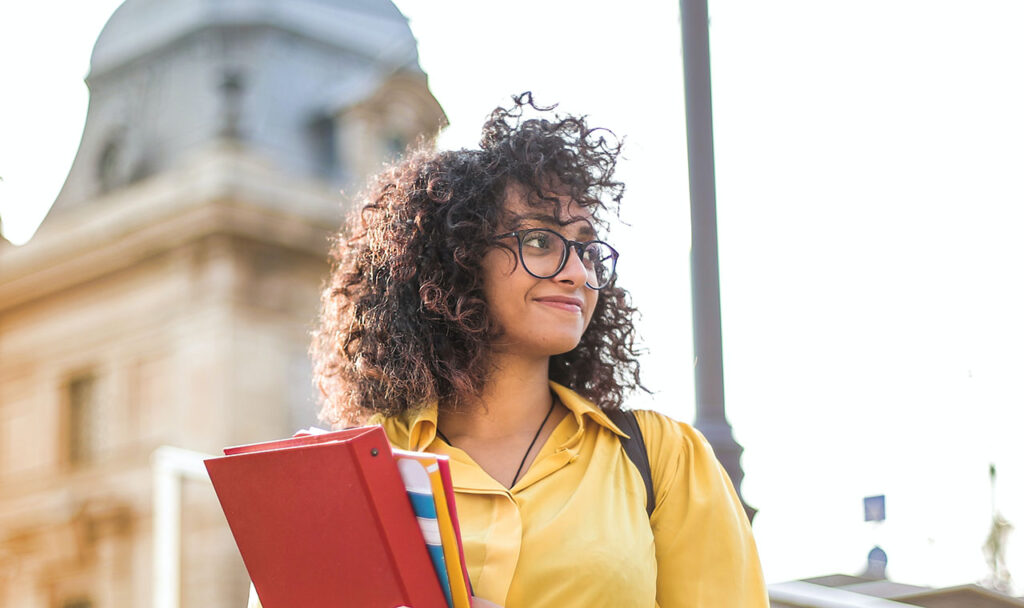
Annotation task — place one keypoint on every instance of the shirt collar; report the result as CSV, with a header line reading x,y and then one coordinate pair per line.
x,y
413,429
416,429
580,407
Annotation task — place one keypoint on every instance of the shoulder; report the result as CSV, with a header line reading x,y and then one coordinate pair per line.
x,y
664,434
703,542
681,458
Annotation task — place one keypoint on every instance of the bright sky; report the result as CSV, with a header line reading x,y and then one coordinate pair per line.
x,y
870,196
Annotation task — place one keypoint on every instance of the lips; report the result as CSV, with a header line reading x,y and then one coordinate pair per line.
x,y
565,303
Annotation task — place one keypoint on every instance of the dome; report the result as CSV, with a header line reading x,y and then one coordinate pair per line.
x,y
372,28
303,85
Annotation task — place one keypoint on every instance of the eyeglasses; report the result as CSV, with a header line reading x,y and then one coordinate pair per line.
x,y
544,253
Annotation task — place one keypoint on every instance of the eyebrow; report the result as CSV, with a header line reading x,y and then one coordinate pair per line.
x,y
585,231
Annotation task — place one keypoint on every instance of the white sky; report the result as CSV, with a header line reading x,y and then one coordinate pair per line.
x,y
871,199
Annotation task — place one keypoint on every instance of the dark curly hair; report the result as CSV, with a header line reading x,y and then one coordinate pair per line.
x,y
403,318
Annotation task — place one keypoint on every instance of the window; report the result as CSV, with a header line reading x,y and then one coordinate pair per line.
x,y
395,145
109,166
82,419
323,138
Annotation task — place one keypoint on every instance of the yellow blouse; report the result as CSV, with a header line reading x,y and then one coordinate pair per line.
x,y
574,531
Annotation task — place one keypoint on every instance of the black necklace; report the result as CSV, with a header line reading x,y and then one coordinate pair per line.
x,y
535,436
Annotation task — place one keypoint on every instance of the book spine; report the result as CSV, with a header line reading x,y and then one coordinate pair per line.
x,y
397,521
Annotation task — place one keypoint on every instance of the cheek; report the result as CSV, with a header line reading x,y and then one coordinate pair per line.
x,y
590,303
498,265
501,282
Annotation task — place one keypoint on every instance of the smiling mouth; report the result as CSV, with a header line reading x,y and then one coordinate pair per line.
x,y
560,304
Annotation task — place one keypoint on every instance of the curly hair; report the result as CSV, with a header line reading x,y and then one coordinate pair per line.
x,y
403,318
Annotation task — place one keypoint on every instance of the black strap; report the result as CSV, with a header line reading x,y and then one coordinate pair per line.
x,y
636,449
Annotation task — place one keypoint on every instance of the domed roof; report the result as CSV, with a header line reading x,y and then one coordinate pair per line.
x,y
374,28
171,78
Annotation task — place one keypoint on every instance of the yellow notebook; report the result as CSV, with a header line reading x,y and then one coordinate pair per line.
x,y
449,541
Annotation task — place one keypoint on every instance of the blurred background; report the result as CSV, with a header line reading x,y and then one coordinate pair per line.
x,y
187,156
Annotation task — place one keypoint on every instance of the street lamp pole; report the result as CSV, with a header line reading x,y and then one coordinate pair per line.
x,y
707,308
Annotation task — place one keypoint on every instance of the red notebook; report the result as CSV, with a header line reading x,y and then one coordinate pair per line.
x,y
324,521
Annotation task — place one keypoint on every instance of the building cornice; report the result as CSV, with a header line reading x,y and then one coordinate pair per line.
x,y
222,191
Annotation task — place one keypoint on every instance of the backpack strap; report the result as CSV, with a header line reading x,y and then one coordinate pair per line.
x,y
636,449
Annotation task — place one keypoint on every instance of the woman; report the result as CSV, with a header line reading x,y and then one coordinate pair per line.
x,y
473,311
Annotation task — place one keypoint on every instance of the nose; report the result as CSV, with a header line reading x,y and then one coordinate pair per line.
x,y
573,272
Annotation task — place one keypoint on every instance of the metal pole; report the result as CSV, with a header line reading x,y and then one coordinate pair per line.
x,y
707,308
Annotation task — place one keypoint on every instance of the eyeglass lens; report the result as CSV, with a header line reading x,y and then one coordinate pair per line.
x,y
544,253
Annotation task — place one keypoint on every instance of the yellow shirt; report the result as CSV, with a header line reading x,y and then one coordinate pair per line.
x,y
574,530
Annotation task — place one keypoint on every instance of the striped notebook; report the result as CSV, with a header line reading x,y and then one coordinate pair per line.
x,y
428,483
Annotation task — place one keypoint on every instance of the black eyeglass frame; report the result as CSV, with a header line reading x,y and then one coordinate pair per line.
x,y
578,246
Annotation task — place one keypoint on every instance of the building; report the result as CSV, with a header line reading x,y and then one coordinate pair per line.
x,y
167,297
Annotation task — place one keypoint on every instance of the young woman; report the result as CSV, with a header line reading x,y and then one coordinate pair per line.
x,y
473,311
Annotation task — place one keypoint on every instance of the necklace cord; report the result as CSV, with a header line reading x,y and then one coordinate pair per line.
x,y
535,436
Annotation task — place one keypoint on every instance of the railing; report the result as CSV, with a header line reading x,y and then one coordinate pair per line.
x,y
170,466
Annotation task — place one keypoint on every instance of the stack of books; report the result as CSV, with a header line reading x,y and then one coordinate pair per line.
x,y
342,519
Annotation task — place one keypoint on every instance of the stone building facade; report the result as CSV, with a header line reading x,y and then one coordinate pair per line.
x,y
168,296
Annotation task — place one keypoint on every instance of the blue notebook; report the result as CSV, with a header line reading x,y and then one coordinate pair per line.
x,y
417,485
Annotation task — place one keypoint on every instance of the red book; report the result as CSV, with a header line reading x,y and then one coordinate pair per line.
x,y
449,490
324,521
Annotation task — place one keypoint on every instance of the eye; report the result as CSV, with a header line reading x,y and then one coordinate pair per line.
x,y
538,240
593,255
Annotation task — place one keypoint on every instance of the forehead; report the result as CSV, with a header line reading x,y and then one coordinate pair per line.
x,y
521,206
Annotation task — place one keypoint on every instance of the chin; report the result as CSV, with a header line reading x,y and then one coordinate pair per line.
x,y
560,347
542,340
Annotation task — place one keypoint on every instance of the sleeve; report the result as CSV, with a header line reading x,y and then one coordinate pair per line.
x,y
703,542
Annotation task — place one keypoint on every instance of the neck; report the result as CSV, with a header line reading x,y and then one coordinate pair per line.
x,y
514,401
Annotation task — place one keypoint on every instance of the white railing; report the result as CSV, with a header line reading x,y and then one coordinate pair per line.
x,y
170,466
800,593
